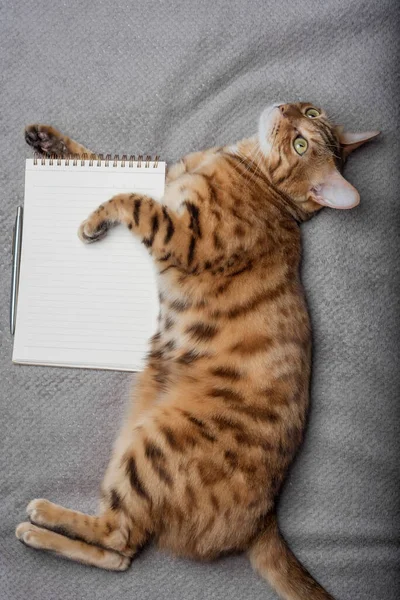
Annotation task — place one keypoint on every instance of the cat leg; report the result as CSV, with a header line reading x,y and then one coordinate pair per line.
x,y
109,530
49,141
43,539
174,239
56,528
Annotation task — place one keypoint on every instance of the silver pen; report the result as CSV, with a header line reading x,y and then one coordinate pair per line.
x,y
16,253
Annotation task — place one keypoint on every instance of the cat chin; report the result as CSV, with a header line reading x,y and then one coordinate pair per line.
x,y
268,120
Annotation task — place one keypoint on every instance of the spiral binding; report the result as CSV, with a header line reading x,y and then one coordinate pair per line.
x,y
96,160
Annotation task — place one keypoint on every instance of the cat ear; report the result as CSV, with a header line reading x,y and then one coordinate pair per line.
x,y
334,191
351,141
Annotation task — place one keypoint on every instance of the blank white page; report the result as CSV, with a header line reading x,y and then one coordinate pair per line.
x,y
90,306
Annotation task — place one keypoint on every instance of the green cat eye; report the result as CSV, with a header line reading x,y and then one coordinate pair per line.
x,y
300,145
312,113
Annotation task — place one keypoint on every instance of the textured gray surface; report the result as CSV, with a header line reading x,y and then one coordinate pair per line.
x,y
174,77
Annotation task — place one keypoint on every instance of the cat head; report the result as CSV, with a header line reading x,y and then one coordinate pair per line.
x,y
304,155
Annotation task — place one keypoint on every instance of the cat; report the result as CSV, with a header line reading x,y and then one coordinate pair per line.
x,y
219,411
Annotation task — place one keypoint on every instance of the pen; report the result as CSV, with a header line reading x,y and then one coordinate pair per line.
x,y
16,252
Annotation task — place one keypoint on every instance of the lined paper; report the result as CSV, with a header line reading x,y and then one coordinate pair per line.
x,y
89,306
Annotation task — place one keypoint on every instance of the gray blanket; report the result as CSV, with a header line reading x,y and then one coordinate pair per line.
x,y
171,77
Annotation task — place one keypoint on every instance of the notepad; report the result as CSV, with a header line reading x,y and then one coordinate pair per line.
x,y
89,306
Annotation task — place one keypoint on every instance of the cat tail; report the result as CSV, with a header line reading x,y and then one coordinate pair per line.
x,y
274,561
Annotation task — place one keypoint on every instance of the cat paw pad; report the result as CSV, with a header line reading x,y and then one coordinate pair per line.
x,y
45,140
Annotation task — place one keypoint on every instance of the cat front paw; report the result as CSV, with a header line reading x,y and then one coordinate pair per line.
x,y
45,140
92,230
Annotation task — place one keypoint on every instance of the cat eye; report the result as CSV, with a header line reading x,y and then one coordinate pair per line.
x,y
312,113
300,145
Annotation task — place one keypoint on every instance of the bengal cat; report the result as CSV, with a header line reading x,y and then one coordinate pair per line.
x,y
219,411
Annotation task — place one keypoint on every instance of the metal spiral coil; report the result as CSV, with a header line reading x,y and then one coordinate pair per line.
x,y
98,160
